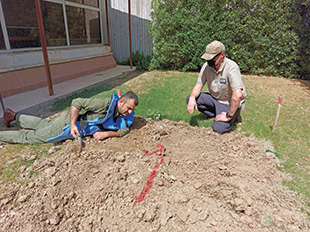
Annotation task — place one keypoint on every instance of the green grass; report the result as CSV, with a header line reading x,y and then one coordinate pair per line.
x,y
168,98
11,162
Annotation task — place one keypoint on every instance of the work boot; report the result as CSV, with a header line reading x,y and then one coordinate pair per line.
x,y
9,116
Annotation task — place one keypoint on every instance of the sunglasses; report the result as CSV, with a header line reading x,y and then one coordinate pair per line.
x,y
214,58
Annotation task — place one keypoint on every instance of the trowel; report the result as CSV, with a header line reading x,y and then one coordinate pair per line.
x,y
80,136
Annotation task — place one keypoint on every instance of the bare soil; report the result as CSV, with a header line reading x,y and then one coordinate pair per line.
x,y
162,176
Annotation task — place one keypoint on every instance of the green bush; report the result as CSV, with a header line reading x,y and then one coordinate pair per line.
x,y
259,35
140,61
301,25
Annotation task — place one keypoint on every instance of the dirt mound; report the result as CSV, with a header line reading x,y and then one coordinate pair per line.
x,y
163,176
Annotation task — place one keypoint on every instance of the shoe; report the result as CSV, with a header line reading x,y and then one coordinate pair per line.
x,y
9,116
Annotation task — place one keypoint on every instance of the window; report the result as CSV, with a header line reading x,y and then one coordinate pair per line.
x,y
87,2
54,25
21,23
83,26
2,44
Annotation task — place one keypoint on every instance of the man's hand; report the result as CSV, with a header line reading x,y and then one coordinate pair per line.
x,y
191,105
234,104
74,131
222,117
74,113
101,135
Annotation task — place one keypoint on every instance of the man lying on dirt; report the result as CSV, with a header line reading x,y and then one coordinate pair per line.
x,y
104,118
227,93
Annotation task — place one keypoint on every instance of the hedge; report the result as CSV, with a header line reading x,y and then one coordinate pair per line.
x,y
262,36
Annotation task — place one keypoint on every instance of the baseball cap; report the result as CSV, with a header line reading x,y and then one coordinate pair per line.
x,y
212,49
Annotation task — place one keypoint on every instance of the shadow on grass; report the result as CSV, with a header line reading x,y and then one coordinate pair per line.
x,y
305,83
195,119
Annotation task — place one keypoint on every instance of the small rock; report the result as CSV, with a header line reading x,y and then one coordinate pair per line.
x,y
222,167
182,214
203,215
31,185
120,158
180,198
140,213
193,217
55,219
162,132
267,221
149,216
50,171
22,168
67,213
23,198
238,201
164,218
28,156
160,183
173,178
53,150
55,180
197,185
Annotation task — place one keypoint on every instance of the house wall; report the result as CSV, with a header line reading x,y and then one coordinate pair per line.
x,y
119,28
24,71
23,80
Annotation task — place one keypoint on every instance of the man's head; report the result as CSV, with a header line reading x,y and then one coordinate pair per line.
x,y
215,52
127,103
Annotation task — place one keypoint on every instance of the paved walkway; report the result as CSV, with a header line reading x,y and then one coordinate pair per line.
x,y
34,100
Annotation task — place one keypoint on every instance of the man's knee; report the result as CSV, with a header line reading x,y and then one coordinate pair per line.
x,y
221,127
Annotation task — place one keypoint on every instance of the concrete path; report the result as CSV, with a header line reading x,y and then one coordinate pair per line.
x,y
34,100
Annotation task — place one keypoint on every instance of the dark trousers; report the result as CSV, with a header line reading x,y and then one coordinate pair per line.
x,y
211,107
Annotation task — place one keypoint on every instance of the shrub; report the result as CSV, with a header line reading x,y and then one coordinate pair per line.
x,y
139,60
259,35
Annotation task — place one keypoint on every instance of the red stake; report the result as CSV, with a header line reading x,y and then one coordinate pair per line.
x,y
278,114
119,93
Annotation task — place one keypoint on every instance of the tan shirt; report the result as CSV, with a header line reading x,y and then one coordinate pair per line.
x,y
223,82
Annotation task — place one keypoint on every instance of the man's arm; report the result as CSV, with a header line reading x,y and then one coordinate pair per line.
x,y
100,135
234,104
74,113
192,99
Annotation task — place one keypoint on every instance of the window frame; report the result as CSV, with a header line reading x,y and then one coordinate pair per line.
x,y
64,3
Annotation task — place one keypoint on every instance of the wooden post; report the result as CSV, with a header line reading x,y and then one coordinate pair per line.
x,y
44,48
108,23
278,114
129,18
2,105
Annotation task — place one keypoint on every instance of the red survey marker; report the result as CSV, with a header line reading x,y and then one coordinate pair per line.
x,y
149,182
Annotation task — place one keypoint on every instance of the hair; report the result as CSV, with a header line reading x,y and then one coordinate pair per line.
x,y
130,95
